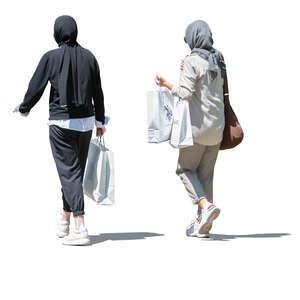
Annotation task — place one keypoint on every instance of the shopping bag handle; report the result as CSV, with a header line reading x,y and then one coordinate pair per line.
x,y
101,141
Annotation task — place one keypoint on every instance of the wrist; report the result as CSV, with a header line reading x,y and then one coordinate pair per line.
x,y
168,85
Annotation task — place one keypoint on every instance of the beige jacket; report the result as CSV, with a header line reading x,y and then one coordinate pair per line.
x,y
205,100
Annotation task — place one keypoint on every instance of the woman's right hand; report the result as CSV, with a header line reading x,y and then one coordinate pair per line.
x,y
182,64
100,131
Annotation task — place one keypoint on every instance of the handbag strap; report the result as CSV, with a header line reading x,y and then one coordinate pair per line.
x,y
225,87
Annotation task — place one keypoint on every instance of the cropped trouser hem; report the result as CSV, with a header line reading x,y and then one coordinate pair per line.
x,y
193,186
78,213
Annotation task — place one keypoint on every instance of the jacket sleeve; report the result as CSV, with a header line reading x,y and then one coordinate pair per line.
x,y
36,85
188,79
98,97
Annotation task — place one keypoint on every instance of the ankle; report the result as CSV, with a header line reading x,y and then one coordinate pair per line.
x,y
65,216
80,227
203,203
79,222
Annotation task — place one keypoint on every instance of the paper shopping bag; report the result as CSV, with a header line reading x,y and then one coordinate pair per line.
x,y
181,135
160,115
99,181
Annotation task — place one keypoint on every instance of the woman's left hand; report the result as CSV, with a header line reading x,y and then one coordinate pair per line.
x,y
16,110
159,80
163,82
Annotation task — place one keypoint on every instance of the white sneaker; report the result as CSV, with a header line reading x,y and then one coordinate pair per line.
x,y
193,229
77,238
208,215
62,227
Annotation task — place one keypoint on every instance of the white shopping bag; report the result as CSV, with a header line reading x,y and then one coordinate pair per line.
x,y
181,135
160,115
99,181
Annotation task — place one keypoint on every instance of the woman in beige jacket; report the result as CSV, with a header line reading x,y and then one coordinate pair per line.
x,y
201,84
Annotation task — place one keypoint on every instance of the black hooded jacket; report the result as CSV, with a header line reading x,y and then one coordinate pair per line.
x,y
73,72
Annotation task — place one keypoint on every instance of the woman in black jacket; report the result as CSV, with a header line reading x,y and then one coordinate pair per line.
x,y
76,103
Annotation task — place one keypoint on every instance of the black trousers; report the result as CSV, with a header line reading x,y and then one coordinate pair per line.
x,y
70,150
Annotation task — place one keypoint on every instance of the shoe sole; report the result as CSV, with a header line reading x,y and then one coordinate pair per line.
x,y
206,227
201,236
81,242
62,235
205,236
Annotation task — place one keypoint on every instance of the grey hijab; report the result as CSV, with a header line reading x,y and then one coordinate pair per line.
x,y
199,38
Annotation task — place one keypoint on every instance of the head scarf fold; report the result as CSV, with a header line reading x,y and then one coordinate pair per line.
x,y
199,38
70,64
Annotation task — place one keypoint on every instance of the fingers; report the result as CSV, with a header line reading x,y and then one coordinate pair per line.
x,y
100,131
182,64
16,108
157,80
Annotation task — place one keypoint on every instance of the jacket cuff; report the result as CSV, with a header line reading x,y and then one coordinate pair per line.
x,y
23,112
174,91
99,124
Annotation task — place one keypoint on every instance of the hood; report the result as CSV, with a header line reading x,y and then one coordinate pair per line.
x,y
65,30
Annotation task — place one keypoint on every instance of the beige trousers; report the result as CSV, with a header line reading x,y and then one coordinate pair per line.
x,y
196,170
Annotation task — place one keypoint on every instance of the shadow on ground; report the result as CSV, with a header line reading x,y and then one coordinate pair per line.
x,y
122,236
227,237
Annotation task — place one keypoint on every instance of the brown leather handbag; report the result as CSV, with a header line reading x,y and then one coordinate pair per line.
x,y
233,133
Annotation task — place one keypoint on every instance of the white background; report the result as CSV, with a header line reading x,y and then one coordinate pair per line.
x,y
143,252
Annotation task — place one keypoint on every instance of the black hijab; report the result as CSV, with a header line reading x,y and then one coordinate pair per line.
x,y
71,62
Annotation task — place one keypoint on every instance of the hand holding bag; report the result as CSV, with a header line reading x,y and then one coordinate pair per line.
x,y
233,133
181,135
99,177
160,115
